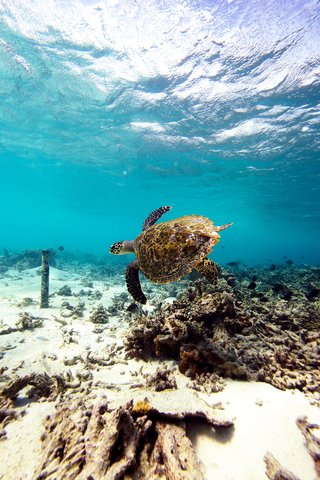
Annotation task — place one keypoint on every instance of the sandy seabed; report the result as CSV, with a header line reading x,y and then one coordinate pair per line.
x,y
80,358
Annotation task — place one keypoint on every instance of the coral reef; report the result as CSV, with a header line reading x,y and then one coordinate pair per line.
x,y
162,379
207,383
238,332
25,260
26,302
69,310
65,291
110,422
99,315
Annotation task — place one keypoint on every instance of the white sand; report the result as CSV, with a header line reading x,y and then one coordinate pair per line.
x,y
265,416
265,421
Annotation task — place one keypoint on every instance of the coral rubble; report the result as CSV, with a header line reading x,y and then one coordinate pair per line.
x,y
162,379
41,386
91,439
311,433
99,315
238,332
25,321
275,471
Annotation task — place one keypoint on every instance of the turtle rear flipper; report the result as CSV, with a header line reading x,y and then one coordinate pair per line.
x,y
209,270
133,282
154,217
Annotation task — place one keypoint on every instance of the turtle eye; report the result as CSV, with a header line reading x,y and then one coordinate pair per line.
x,y
116,248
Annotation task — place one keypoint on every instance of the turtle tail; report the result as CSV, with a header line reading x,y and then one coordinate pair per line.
x,y
222,227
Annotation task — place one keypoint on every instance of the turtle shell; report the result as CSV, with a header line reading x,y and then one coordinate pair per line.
x,y
169,250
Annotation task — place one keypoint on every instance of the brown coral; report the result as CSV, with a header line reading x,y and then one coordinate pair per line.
x,y
41,386
239,333
84,440
311,432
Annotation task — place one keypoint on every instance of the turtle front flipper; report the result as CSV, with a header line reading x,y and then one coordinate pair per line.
x,y
154,217
209,270
133,282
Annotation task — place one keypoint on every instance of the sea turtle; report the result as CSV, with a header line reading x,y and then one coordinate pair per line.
x,y
169,250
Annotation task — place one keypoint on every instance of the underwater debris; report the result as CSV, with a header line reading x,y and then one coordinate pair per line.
x,y
177,330
110,355
96,440
102,361
170,407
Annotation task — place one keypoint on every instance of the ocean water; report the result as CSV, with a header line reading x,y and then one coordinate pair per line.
x,y
110,109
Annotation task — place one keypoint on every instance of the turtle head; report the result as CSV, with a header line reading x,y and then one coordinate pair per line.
x,y
120,248
116,248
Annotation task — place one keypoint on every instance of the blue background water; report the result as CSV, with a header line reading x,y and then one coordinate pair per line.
x,y
110,109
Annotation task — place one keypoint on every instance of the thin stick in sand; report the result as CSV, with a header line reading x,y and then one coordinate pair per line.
x,y
44,301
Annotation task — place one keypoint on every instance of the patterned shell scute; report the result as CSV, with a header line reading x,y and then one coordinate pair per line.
x,y
169,250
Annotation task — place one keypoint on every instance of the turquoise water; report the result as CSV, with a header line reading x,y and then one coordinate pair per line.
x,y
111,109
